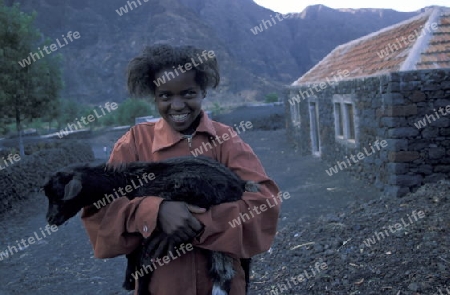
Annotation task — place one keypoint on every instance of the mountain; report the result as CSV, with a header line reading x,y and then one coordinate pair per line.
x,y
252,63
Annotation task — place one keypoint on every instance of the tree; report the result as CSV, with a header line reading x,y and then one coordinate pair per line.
x,y
28,90
131,109
53,113
68,111
271,97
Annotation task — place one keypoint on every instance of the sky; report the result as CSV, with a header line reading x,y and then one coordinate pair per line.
x,y
286,6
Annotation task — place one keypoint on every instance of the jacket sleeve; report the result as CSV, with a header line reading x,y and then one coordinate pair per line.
x,y
118,227
246,227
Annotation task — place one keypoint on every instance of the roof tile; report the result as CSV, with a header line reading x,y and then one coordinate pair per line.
x,y
386,50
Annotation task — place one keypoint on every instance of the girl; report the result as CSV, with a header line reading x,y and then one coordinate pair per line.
x,y
177,78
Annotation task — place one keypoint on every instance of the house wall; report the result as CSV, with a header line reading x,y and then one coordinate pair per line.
x,y
385,108
422,155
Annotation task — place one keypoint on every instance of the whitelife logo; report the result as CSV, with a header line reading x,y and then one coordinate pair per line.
x,y
423,123
124,9
128,189
53,47
225,137
393,228
183,69
243,217
300,278
12,160
165,260
316,88
22,245
392,47
259,29
90,118
342,165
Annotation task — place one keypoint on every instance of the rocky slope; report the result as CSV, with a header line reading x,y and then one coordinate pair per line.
x,y
252,64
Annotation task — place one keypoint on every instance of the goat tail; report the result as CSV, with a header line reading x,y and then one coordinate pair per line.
x,y
221,271
217,290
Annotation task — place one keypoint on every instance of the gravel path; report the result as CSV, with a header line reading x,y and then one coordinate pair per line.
x,y
384,246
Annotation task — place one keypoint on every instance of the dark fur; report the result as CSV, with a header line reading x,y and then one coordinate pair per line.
x,y
199,181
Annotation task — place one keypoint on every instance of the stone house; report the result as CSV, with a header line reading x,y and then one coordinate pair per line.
x,y
378,107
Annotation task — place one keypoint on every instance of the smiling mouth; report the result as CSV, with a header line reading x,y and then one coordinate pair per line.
x,y
179,118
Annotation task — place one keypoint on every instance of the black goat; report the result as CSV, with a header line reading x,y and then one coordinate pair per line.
x,y
200,181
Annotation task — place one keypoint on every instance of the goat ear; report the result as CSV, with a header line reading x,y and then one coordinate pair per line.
x,y
45,182
72,189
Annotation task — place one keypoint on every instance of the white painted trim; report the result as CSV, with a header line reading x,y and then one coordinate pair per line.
x,y
295,115
347,126
344,99
420,45
297,109
337,120
316,151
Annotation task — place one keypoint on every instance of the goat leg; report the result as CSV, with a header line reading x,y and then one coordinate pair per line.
x,y
246,264
157,242
143,283
137,261
132,264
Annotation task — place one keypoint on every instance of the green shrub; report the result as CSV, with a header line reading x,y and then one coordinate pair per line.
x,y
271,97
216,109
131,109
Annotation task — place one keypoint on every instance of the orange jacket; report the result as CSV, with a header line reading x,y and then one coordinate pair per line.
x,y
112,229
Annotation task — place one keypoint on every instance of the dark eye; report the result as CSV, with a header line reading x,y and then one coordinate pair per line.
x,y
190,93
163,96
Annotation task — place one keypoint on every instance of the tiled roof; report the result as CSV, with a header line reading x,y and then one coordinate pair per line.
x,y
422,42
437,54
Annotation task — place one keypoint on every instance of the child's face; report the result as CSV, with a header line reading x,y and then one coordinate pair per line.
x,y
179,100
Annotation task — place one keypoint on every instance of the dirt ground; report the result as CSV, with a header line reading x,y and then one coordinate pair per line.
x,y
321,246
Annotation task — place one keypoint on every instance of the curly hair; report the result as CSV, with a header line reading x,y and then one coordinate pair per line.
x,y
143,68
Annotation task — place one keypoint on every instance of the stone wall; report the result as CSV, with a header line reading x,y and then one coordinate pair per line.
x,y
18,181
385,108
422,153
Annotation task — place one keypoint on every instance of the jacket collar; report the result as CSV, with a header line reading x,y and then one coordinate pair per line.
x,y
165,136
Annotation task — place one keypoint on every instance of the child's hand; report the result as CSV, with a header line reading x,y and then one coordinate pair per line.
x,y
195,209
176,221
155,247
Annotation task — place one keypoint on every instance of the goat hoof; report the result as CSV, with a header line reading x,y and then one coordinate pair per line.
x,y
129,286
